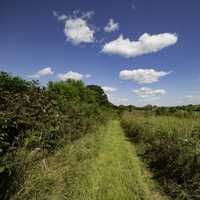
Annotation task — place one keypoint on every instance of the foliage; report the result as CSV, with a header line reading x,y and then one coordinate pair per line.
x,y
171,146
34,118
186,111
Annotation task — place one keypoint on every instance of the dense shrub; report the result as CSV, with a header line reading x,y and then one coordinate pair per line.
x,y
41,119
171,147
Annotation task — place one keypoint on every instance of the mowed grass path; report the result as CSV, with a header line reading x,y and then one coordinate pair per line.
x,y
100,166
118,172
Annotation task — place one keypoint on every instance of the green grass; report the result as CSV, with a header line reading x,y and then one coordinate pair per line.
x,y
171,147
100,166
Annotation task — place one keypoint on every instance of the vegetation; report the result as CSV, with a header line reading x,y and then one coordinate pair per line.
x,y
186,111
99,166
35,121
64,141
171,147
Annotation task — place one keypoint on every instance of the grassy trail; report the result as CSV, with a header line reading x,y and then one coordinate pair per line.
x,y
101,166
119,175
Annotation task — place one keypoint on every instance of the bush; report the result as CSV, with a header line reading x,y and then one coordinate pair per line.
x,y
32,118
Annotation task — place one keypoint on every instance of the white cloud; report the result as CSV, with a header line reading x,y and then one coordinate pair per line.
x,y
109,89
142,75
43,72
77,30
145,44
55,14
73,75
111,26
88,14
148,93
59,17
62,17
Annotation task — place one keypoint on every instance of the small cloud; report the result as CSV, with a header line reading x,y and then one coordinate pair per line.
x,y
47,71
88,14
55,14
148,93
144,45
76,12
142,75
72,75
88,75
111,26
109,89
77,30
59,17
62,17
102,40
133,7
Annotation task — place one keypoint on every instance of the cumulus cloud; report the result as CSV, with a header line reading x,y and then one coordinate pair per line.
x,y
148,93
109,89
142,75
145,44
43,72
77,29
111,26
72,75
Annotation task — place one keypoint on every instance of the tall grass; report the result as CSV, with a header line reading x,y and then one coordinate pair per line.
x,y
171,147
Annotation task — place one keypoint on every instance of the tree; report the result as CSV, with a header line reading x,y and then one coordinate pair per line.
x,y
99,95
12,83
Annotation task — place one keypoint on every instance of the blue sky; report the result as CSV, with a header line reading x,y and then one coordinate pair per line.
x,y
140,51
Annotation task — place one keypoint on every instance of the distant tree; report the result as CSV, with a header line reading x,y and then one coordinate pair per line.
x,y
99,94
148,107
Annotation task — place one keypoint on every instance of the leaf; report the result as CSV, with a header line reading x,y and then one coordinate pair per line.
x,y
2,169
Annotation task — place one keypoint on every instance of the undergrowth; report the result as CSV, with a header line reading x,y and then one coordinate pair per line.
x,y
171,147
